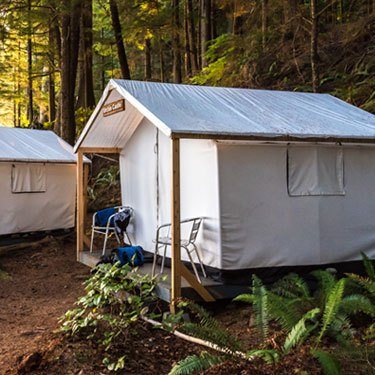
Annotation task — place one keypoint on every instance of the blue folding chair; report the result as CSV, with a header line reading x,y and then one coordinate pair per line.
x,y
103,223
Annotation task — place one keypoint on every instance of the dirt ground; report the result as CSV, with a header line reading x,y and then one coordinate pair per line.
x,y
38,286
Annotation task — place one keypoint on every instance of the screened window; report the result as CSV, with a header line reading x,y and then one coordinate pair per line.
x,y
28,178
317,170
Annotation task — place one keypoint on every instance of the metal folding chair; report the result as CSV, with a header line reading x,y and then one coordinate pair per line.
x,y
188,244
109,229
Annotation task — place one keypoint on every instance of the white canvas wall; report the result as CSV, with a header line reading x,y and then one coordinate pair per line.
x,y
151,202
27,212
262,226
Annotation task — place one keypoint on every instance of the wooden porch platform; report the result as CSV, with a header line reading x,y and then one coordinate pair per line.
x,y
218,290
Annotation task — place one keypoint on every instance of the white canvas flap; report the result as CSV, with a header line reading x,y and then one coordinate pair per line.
x,y
28,178
315,170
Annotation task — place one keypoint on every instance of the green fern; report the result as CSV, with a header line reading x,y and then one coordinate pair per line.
x,y
269,356
208,328
247,298
356,303
326,281
300,332
332,306
369,266
195,364
365,282
260,305
292,286
283,310
329,364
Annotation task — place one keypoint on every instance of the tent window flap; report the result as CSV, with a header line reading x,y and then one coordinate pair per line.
x,y
315,170
28,178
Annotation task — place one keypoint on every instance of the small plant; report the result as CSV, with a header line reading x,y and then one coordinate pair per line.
x,y
108,177
4,275
116,298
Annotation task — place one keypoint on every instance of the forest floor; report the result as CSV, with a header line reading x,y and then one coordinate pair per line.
x,y
39,286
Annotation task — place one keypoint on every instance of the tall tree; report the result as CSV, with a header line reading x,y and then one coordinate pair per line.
x,y
177,73
70,19
192,37
148,62
314,45
187,56
125,71
51,72
264,22
205,28
30,93
86,97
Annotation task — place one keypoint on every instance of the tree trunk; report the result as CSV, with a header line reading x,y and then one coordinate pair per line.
x,y
199,36
125,71
264,22
69,60
51,74
57,36
314,46
191,36
161,58
177,74
188,62
148,70
86,97
18,125
206,28
30,106
213,20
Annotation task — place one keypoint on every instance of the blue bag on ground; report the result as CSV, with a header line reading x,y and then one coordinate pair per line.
x,y
132,255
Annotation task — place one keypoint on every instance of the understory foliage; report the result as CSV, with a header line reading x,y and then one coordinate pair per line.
x,y
321,316
116,298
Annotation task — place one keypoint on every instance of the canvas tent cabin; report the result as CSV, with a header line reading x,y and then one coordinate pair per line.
x,y
37,181
282,179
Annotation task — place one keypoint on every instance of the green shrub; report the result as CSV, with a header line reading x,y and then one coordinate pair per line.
x,y
115,300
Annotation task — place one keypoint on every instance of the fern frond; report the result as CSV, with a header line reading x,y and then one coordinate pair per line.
x,y
365,282
219,337
300,332
329,364
332,306
260,305
269,356
247,298
195,364
291,286
369,266
210,329
341,328
283,311
356,303
326,282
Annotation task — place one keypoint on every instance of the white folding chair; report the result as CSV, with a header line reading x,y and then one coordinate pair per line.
x,y
109,229
188,244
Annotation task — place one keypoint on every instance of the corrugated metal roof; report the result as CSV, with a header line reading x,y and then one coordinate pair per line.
x,y
17,144
245,112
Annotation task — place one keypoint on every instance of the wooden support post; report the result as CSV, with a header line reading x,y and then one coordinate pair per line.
x,y
86,170
80,204
176,225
